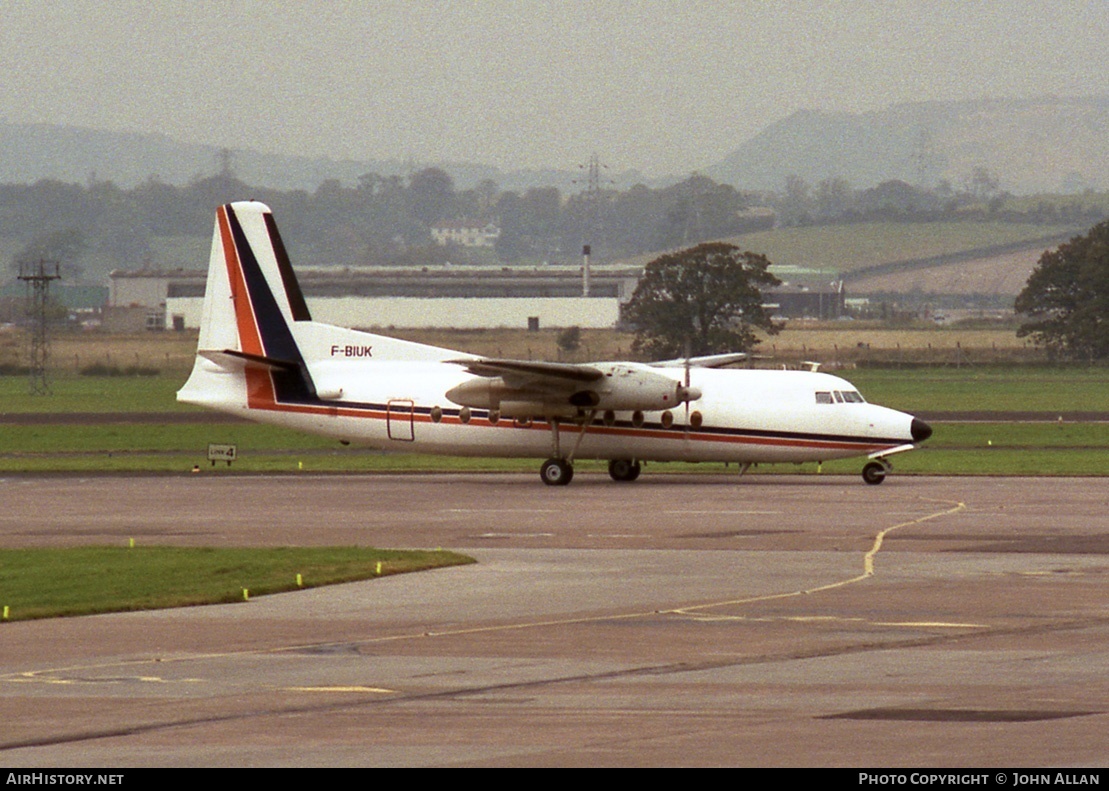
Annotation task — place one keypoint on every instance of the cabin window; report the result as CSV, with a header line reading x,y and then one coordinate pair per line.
x,y
823,397
464,414
436,414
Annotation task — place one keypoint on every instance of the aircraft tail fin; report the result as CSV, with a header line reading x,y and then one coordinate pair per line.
x,y
259,346
248,354
252,294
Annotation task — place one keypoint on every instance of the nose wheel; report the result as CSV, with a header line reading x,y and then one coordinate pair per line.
x,y
556,472
875,472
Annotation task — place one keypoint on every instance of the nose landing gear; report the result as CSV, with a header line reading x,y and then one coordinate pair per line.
x,y
875,472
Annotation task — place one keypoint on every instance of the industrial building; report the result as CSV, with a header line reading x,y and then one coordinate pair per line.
x,y
461,297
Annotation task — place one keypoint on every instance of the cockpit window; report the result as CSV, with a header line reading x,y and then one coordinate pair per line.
x,y
839,397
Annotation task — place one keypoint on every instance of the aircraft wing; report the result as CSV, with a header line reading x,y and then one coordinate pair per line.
x,y
529,374
707,361
548,388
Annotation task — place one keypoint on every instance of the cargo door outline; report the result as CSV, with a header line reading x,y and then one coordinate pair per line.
x,y
400,420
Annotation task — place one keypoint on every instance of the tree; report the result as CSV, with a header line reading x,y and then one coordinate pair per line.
x,y
833,199
706,299
795,206
1067,298
432,193
983,184
61,247
569,340
697,209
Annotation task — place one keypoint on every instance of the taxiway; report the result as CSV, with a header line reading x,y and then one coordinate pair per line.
x,y
680,620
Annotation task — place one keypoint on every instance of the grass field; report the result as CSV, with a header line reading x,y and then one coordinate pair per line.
x,y
969,380
42,583
986,388
1000,447
836,249
831,343
968,387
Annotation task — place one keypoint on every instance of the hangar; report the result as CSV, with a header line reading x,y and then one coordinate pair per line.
x,y
462,297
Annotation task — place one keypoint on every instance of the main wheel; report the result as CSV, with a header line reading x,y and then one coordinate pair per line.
x,y
623,469
556,472
874,473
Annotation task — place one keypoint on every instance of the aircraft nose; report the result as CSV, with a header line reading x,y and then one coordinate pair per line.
x,y
920,430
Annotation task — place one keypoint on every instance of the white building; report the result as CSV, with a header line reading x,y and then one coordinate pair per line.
x,y
465,233
447,297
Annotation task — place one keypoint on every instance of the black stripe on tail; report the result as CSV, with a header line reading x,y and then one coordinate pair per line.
x,y
291,380
295,296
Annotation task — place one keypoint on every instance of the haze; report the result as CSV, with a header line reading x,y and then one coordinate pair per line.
x,y
664,87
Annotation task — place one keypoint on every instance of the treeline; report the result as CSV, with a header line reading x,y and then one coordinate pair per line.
x,y
381,220
980,197
92,229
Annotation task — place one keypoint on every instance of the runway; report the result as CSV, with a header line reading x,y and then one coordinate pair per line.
x,y
681,620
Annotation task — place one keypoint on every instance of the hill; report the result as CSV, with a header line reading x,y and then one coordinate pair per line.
x,y
1034,145
76,155
987,263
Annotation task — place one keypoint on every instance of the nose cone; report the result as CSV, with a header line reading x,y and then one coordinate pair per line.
x,y
920,430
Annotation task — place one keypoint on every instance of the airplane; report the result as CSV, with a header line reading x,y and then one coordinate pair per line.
x,y
260,356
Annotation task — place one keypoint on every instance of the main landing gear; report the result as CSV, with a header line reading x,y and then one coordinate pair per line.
x,y
559,470
556,472
623,470
875,472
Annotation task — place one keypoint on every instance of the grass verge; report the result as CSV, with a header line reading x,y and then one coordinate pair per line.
x,y
1049,448
46,583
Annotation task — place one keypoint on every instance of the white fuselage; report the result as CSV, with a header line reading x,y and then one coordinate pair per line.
x,y
743,416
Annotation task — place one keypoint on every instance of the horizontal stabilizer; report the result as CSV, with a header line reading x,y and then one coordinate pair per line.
x,y
234,360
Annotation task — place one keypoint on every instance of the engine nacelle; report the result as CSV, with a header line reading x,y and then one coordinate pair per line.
x,y
489,393
626,388
622,388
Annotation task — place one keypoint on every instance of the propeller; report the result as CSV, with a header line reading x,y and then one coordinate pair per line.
x,y
685,391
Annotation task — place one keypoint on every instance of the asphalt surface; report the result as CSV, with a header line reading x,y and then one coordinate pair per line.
x,y
680,620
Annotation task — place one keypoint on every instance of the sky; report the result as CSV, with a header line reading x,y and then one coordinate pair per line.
x,y
661,87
